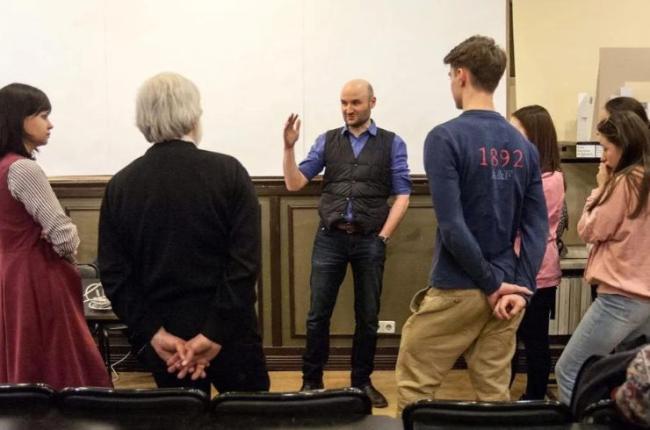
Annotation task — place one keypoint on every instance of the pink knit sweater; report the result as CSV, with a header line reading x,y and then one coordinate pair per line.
x,y
549,274
620,258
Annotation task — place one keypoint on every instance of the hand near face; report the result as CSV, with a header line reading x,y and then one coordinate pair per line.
x,y
291,131
609,160
604,173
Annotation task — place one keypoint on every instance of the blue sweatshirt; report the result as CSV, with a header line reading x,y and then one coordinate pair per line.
x,y
485,183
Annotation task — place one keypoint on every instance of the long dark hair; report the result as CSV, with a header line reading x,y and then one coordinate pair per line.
x,y
626,131
618,104
541,132
17,102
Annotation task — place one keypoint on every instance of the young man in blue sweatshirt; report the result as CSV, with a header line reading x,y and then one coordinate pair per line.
x,y
486,188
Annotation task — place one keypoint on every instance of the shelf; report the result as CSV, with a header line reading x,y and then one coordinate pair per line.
x,y
574,160
568,154
573,142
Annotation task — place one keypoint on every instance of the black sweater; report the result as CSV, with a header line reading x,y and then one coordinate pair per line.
x,y
179,244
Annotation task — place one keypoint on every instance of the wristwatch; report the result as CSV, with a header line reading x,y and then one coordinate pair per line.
x,y
383,239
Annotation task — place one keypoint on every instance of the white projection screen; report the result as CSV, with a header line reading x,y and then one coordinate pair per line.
x,y
254,61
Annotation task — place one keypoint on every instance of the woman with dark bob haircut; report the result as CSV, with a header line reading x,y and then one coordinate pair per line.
x,y
616,222
44,337
536,124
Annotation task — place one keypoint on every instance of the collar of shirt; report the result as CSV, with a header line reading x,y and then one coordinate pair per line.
x,y
174,143
372,130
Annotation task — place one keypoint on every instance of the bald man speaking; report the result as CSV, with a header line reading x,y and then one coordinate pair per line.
x,y
364,165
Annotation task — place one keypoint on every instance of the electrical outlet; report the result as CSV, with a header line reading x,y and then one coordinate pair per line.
x,y
386,327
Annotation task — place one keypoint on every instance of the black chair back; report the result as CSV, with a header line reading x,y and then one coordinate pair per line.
x,y
88,271
322,409
439,414
25,399
605,413
146,408
344,402
597,377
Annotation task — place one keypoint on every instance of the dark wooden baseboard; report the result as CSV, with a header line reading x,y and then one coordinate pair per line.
x,y
339,359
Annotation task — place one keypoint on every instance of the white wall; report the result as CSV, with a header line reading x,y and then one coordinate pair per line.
x,y
254,62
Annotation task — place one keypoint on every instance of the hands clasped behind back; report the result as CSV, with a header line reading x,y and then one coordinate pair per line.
x,y
183,357
507,301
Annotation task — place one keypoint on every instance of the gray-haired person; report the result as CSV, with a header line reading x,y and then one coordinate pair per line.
x,y
179,250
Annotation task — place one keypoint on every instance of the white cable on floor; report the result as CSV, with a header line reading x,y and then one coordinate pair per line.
x,y
116,376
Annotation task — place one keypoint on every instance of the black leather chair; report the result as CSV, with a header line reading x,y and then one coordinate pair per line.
x,y
18,398
88,270
166,408
439,414
25,405
314,409
605,413
599,375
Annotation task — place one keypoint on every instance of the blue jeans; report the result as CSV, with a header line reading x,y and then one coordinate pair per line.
x,y
610,320
333,250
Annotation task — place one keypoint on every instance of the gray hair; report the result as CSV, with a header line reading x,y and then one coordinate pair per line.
x,y
168,106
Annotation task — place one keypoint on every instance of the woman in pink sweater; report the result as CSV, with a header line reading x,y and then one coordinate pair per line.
x,y
536,124
616,221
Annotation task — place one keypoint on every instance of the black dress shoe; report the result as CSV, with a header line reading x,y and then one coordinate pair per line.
x,y
311,386
376,398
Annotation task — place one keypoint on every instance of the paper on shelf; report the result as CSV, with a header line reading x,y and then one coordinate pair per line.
x,y
585,150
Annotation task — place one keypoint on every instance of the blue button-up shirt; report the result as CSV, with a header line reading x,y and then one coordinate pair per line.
x,y
314,163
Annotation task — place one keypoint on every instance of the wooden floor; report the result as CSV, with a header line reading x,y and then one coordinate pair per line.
x,y
457,385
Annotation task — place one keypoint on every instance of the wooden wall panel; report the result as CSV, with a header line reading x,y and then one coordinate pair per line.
x,y
289,222
264,302
85,215
408,261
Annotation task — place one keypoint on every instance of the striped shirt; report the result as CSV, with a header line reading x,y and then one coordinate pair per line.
x,y
28,184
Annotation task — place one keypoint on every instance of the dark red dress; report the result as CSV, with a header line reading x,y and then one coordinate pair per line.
x,y
43,334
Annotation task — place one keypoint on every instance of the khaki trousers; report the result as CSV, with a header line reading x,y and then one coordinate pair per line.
x,y
446,324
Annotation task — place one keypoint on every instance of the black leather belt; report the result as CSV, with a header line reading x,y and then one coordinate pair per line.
x,y
348,227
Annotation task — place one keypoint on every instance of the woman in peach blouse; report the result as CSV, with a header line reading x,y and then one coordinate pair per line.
x,y
616,221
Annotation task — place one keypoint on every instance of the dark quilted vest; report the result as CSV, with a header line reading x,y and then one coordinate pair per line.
x,y
366,181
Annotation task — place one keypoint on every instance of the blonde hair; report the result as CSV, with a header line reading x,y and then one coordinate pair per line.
x,y
168,106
